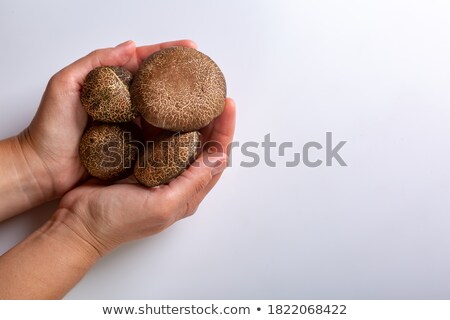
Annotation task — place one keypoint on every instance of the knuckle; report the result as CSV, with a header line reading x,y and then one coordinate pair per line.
x,y
158,228
96,56
203,181
166,214
59,80
161,211
168,201
191,209
55,79
161,220
95,52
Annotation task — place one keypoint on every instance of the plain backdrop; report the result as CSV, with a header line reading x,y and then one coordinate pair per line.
x,y
375,73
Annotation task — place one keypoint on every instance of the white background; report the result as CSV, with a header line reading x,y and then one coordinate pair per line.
x,y
375,73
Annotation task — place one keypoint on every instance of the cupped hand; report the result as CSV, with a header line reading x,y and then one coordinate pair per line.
x,y
107,216
50,143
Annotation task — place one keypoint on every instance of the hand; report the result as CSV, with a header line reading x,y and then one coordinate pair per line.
x,y
107,216
50,143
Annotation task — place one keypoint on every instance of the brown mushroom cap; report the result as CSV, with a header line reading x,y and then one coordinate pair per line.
x,y
109,151
179,89
105,95
167,158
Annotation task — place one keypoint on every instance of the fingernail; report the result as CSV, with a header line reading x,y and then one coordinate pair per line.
x,y
218,167
124,44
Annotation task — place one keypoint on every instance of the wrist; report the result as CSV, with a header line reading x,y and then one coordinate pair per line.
x,y
24,182
36,172
66,229
79,223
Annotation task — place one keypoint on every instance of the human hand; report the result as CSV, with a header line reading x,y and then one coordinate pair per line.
x,y
107,216
50,143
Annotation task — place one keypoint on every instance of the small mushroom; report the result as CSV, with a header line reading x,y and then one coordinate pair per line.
x,y
167,158
105,95
109,151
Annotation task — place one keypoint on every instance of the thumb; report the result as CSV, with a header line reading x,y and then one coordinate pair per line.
x,y
117,56
197,177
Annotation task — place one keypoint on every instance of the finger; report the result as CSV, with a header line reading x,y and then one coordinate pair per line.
x,y
224,125
193,181
117,56
141,53
220,132
195,201
94,182
206,131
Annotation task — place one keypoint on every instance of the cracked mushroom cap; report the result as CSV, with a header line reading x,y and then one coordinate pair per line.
x,y
167,158
109,151
179,89
105,95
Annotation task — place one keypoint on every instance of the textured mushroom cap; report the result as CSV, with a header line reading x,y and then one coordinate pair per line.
x,y
179,89
167,158
105,95
109,151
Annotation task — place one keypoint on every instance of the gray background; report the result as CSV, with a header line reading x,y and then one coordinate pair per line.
x,y
375,73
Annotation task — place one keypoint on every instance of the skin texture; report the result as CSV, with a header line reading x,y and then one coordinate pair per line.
x,y
108,151
167,158
179,89
43,163
105,95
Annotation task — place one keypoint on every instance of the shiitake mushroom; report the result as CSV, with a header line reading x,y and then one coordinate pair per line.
x,y
167,158
105,95
179,89
109,151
